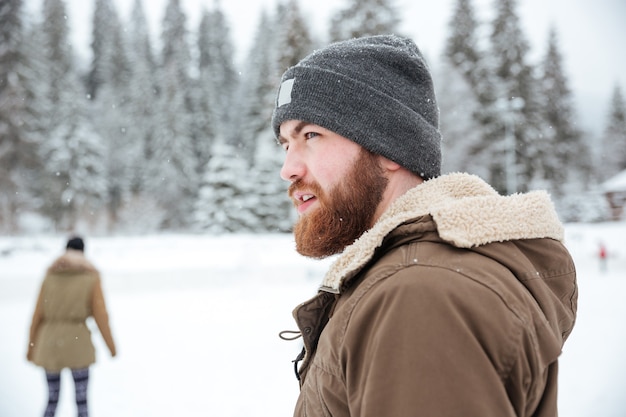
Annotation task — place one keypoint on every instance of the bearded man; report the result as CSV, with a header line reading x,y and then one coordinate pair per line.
x,y
446,299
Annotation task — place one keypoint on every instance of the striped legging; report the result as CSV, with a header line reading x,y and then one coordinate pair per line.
x,y
81,379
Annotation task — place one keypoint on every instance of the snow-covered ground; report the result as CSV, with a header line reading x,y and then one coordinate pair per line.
x,y
196,321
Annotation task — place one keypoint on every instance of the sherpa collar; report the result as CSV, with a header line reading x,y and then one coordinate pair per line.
x,y
467,211
71,261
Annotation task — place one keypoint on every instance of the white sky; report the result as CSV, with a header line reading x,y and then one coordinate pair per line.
x,y
590,34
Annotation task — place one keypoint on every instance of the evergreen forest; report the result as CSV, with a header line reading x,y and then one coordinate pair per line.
x,y
173,134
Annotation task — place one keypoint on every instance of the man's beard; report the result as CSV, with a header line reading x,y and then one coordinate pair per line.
x,y
344,213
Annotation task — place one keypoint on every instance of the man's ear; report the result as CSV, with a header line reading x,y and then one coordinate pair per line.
x,y
388,164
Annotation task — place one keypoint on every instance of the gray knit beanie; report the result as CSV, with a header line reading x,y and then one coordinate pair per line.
x,y
376,91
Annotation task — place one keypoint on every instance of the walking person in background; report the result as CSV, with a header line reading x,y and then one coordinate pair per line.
x,y
59,337
602,255
446,298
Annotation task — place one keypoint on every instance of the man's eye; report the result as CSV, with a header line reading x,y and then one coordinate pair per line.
x,y
310,135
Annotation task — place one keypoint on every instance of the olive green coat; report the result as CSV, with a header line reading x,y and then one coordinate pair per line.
x,y
70,293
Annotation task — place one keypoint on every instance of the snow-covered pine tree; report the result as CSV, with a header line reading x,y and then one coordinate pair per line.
x,y
292,42
613,155
138,210
72,186
19,160
563,155
104,19
228,183
142,95
269,203
461,131
459,84
293,39
206,120
364,17
35,120
257,90
516,122
217,75
462,48
173,177
111,105
223,203
81,162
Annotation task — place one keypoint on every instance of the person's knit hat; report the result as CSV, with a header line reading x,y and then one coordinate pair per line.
x,y
76,243
376,91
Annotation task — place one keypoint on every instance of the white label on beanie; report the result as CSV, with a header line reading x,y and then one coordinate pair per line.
x,y
284,94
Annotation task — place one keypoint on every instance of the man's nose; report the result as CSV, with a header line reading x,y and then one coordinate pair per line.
x,y
293,166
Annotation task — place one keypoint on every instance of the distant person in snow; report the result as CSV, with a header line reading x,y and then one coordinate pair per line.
x,y
59,337
446,298
602,255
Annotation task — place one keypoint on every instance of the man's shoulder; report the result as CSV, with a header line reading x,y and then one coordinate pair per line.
x,y
424,269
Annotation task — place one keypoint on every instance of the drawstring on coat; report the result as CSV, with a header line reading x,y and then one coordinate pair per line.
x,y
293,335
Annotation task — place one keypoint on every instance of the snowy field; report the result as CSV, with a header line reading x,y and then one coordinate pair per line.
x,y
196,322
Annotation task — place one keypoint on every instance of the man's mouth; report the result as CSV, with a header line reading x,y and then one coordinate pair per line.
x,y
304,201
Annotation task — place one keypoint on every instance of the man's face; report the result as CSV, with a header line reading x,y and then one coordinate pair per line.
x,y
336,185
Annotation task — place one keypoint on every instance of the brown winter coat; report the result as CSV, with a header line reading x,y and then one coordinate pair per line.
x,y
70,293
456,303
